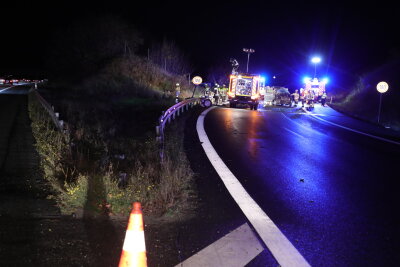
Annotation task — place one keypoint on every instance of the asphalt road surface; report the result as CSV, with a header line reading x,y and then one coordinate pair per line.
x,y
331,191
32,230
17,155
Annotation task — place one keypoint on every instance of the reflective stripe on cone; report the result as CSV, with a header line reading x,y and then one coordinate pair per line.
x,y
134,249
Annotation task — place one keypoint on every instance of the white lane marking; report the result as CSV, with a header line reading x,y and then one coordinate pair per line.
x,y
237,248
281,248
302,125
290,131
2,90
355,131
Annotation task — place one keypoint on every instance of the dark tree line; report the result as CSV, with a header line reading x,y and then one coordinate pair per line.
x,y
168,56
84,48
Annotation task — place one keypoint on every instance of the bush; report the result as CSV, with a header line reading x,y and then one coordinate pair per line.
x,y
74,195
51,145
104,184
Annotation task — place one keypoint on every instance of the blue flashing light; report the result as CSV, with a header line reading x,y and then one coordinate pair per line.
x,y
262,79
325,80
306,79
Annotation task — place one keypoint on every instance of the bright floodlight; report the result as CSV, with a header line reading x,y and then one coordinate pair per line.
x,y
316,60
306,79
325,80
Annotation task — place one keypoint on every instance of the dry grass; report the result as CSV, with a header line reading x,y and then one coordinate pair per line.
x,y
87,176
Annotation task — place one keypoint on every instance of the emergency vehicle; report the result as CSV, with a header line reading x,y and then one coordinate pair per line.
x,y
317,86
245,89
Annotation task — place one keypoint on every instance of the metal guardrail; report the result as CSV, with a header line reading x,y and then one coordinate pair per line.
x,y
169,115
50,110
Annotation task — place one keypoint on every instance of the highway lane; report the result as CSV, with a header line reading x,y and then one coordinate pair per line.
x,y
17,155
332,192
20,89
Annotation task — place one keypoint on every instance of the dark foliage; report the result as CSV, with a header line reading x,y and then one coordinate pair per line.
x,y
85,47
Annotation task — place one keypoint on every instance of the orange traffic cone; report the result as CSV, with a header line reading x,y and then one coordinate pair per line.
x,y
134,249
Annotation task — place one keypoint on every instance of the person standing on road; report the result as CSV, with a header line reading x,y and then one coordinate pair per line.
x,y
323,99
296,97
310,99
177,92
223,93
216,94
302,97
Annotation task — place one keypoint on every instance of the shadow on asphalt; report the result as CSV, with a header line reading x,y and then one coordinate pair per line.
x,y
103,240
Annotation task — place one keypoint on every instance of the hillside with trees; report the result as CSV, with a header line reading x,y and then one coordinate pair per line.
x,y
110,91
363,99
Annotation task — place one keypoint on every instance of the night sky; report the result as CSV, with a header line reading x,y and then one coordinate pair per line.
x,y
352,38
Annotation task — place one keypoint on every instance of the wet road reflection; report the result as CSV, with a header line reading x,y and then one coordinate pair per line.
x,y
322,185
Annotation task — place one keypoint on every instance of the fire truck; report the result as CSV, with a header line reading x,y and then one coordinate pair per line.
x,y
245,89
317,86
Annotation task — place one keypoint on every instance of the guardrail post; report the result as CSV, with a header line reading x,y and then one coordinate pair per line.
x,y
158,131
166,118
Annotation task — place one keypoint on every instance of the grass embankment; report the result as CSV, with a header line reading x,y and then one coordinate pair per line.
x,y
109,158
363,103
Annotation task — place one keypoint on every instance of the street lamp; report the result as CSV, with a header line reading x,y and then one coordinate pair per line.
x,y
248,51
315,60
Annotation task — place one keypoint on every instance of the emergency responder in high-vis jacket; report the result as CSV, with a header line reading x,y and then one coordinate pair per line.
x,y
323,99
302,97
296,97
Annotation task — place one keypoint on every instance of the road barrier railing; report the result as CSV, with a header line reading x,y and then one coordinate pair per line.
x,y
169,115
50,110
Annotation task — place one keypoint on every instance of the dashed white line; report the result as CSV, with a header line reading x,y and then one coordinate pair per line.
x,y
237,248
281,248
307,128
290,131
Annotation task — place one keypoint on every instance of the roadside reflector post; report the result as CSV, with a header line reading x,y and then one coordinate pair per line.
x,y
382,88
